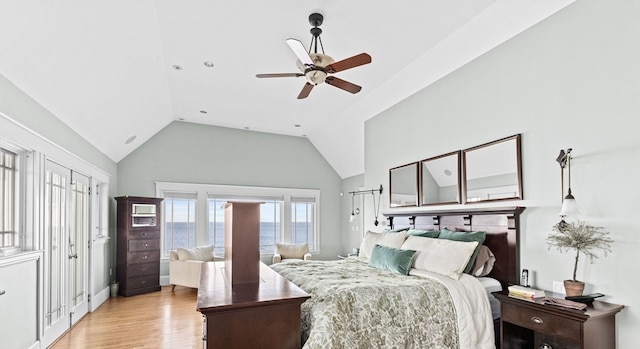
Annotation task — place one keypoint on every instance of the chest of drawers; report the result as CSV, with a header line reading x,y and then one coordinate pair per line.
x,y
528,324
138,245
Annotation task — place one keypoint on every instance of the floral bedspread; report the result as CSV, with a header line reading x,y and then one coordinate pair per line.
x,y
353,305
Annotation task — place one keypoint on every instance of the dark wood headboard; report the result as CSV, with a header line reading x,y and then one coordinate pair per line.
x,y
501,224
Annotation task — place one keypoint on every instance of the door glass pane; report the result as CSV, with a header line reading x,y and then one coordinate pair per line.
x,y
78,240
55,226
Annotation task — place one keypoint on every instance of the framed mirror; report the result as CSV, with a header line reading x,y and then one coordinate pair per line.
x,y
403,185
493,171
440,180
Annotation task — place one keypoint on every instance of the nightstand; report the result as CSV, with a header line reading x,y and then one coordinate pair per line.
x,y
532,325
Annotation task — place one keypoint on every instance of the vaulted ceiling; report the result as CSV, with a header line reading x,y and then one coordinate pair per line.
x,y
108,68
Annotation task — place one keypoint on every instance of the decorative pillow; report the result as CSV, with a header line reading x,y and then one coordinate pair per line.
x,y
370,239
392,259
477,236
484,262
203,253
442,256
424,233
288,251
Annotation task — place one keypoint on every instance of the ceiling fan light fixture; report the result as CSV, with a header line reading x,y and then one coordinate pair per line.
x,y
315,77
316,67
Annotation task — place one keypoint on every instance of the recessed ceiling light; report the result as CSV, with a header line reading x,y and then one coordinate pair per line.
x,y
180,119
130,139
296,125
208,64
447,172
203,112
246,127
177,67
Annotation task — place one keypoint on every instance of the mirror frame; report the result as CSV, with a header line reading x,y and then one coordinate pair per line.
x,y
518,168
458,199
415,184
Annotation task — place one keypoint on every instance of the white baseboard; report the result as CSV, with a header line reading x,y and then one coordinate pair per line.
x,y
164,280
99,298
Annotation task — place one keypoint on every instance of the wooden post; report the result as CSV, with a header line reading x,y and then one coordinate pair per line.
x,y
242,242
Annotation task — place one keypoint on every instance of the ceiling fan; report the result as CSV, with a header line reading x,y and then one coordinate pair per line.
x,y
317,67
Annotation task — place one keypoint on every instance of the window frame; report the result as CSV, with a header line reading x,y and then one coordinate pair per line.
x,y
204,192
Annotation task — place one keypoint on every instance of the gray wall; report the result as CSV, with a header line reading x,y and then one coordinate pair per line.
x,y
195,153
18,106
352,231
572,80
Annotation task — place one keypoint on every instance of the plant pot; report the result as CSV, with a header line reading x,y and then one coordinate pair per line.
x,y
573,288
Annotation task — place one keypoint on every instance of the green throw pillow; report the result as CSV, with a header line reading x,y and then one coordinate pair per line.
x,y
392,259
466,236
424,233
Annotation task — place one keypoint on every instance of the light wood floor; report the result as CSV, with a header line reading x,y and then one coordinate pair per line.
x,y
162,319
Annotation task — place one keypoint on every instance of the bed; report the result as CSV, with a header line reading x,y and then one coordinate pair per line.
x,y
354,305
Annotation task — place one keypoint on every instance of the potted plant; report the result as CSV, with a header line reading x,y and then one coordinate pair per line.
x,y
580,237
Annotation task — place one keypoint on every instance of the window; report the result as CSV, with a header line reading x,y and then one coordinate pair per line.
x,y
270,227
9,199
179,222
302,220
206,212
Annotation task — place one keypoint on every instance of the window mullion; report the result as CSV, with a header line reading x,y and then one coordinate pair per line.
x,y
287,220
202,221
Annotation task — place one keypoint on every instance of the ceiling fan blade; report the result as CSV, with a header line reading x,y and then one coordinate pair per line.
x,y
342,84
306,89
298,48
279,75
349,63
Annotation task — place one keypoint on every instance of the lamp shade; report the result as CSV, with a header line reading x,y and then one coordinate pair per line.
x,y
569,206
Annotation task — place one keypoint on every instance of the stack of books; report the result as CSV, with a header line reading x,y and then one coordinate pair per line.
x,y
523,292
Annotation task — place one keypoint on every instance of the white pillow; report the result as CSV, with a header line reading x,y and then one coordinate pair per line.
x,y
203,253
370,239
289,251
442,256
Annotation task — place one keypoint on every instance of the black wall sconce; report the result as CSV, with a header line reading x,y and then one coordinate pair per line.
x,y
376,206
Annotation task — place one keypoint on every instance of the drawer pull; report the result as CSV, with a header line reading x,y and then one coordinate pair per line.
x,y
144,257
146,245
537,320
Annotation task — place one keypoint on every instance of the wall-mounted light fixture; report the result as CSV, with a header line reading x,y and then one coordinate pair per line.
x,y
353,212
569,206
376,207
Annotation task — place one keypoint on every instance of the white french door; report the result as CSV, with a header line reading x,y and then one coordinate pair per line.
x,y
66,261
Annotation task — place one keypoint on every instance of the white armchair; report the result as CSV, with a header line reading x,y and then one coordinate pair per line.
x,y
291,251
185,265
